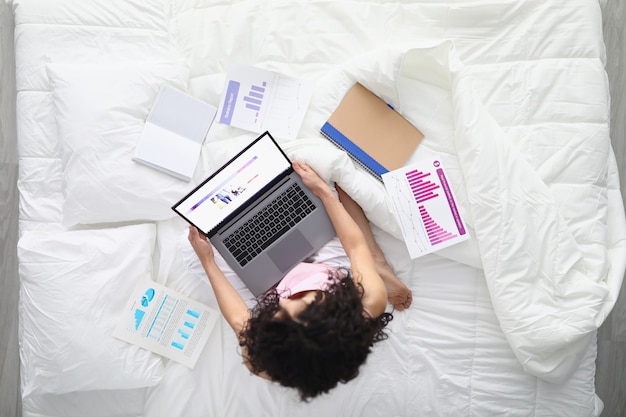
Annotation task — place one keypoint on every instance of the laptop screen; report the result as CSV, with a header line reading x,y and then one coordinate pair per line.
x,y
232,186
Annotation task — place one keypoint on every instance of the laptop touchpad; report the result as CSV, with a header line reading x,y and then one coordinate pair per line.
x,y
290,250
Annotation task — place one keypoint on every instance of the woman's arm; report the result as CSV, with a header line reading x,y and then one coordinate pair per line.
x,y
232,306
352,239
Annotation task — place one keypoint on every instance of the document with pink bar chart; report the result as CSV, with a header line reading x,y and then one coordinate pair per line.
x,y
424,205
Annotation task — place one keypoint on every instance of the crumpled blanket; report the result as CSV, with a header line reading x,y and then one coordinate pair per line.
x,y
547,220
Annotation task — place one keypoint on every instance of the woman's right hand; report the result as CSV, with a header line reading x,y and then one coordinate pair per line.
x,y
201,245
310,178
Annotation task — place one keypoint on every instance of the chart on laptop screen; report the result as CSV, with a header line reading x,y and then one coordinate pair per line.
x,y
234,185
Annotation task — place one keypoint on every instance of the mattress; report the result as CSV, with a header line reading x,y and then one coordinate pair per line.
x,y
512,96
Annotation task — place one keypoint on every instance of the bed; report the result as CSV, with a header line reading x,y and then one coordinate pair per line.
x,y
512,96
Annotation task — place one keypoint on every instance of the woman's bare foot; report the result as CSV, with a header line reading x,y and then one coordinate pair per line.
x,y
398,294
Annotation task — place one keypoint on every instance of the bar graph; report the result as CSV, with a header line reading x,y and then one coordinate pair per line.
x,y
422,189
193,314
254,98
184,332
424,206
436,234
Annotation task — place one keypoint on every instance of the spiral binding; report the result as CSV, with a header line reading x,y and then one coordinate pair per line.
x,y
354,158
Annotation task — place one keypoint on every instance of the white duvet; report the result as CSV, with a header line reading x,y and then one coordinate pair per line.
x,y
512,96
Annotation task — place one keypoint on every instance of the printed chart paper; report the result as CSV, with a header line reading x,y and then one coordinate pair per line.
x,y
425,207
167,323
258,100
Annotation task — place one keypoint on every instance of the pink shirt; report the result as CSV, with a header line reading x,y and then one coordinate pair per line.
x,y
304,277
307,277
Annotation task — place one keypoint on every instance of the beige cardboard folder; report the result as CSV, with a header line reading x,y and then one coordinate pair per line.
x,y
375,135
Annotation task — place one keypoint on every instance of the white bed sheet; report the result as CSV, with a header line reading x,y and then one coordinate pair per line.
x,y
514,97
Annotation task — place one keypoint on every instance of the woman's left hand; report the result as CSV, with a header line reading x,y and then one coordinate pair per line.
x,y
201,245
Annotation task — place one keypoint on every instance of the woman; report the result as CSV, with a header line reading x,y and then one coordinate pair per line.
x,y
317,326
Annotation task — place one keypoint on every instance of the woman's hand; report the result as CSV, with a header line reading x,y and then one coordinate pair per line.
x,y
201,245
310,178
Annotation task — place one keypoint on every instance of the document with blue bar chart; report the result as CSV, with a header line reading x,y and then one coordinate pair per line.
x,y
167,323
257,100
424,206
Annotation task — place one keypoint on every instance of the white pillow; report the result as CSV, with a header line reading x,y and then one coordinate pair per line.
x,y
74,286
100,110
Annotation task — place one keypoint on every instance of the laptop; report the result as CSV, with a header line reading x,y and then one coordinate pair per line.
x,y
258,214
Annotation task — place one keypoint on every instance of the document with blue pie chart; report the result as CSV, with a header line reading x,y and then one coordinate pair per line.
x,y
257,100
166,323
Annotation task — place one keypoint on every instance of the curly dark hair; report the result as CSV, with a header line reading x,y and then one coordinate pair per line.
x,y
326,345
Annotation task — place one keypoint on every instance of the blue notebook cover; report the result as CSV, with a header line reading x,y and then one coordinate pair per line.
x,y
359,155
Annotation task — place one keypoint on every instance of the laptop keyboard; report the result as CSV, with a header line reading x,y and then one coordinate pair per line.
x,y
271,222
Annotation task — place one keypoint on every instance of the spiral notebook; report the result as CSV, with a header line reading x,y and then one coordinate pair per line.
x,y
376,136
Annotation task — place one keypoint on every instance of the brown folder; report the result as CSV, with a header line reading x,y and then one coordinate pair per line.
x,y
375,135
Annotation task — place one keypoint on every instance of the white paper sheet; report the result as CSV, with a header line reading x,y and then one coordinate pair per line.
x,y
424,206
258,100
167,323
